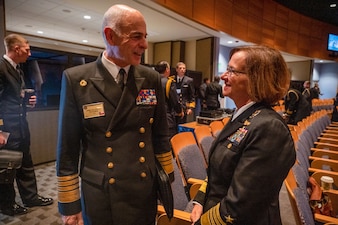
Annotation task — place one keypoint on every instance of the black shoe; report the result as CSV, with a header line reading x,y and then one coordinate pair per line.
x,y
40,201
16,209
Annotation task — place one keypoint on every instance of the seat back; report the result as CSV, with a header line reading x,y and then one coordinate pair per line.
x,y
178,219
188,156
204,139
216,127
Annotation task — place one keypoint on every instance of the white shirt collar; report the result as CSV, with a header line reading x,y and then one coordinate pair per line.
x,y
10,61
113,68
241,110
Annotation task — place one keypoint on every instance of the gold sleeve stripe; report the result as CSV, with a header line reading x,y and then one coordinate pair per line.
x,y
68,189
212,217
165,160
204,185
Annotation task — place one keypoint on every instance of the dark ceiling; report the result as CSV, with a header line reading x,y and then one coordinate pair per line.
x,y
317,9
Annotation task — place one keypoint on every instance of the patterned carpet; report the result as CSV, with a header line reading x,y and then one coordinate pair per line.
x,y
49,215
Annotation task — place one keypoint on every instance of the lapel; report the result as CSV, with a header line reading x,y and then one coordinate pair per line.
x,y
128,97
12,70
233,126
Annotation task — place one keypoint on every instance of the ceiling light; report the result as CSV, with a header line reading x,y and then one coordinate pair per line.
x,y
85,41
333,5
40,32
230,42
87,17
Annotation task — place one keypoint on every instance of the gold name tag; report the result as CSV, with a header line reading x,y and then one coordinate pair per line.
x,y
93,110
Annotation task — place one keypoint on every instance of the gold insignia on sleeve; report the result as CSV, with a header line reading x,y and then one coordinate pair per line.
x,y
228,219
83,83
246,123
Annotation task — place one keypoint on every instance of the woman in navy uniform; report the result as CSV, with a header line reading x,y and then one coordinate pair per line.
x,y
112,125
254,152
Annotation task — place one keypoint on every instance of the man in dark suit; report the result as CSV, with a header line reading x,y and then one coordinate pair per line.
x,y
213,91
112,125
13,121
173,106
185,91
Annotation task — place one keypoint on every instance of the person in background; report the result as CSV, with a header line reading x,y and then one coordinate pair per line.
x,y
13,121
112,127
185,91
308,93
315,90
296,107
213,91
173,105
201,92
254,152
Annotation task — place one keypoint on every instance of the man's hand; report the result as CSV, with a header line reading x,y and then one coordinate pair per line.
x,y
189,111
73,219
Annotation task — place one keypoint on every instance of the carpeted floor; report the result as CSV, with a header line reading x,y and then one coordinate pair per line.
x,y
49,215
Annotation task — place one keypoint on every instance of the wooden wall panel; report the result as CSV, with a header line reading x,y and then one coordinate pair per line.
x,y
293,21
162,51
269,12
281,38
181,7
268,33
204,56
178,49
239,24
282,16
255,30
204,12
223,15
239,19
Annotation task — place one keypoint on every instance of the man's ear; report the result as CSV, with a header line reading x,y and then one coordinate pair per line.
x,y
110,35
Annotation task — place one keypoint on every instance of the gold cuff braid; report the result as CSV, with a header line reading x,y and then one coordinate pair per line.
x,y
68,189
165,160
212,217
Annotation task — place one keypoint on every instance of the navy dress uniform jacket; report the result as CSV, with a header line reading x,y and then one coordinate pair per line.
x,y
117,135
248,163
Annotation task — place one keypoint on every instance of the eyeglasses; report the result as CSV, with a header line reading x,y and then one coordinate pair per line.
x,y
232,72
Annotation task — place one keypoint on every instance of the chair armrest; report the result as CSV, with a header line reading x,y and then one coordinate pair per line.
x,y
320,162
195,186
180,218
325,219
328,140
316,152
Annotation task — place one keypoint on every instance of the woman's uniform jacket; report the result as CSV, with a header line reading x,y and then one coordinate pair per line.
x,y
117,135
248,163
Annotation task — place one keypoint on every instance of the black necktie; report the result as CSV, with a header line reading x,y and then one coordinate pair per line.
x,y
22,81
120,78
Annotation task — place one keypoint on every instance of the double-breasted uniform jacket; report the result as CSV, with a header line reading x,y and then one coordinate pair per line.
x,y
12,109
117,133
186,92
247,165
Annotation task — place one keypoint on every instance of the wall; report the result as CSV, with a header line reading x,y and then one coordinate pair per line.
x,y
43,129
262,22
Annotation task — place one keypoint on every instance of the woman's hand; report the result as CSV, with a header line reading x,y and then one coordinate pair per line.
x,y
196,213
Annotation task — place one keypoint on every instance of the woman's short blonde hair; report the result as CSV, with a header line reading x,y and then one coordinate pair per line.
x,y
269,77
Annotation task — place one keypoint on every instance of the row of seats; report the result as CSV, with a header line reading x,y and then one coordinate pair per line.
x,y
317,105
315,158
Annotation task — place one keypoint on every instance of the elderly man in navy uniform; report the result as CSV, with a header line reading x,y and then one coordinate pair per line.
x,y
112,125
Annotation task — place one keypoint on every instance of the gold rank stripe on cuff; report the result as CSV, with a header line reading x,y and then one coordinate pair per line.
x,y
204,185
165,160
213,217
68,189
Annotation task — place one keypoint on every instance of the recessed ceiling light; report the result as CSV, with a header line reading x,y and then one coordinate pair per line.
x,y
40,32
333,5
66,11
87,17
230,42
85,41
